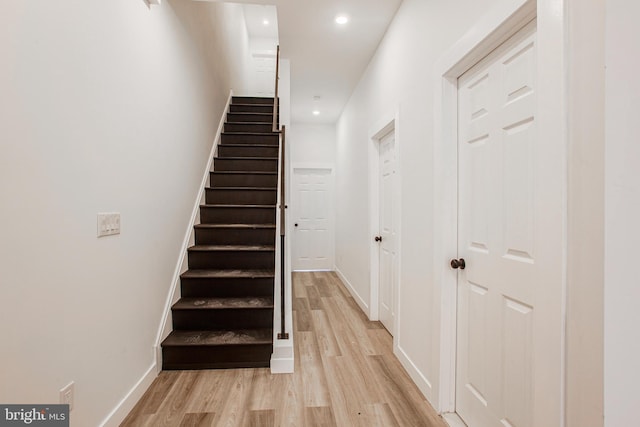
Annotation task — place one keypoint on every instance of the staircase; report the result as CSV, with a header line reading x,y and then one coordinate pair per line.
x,y
224,318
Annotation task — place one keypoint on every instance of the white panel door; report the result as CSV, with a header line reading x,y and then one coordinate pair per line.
x,y
388,232
262,82
313,228
502,232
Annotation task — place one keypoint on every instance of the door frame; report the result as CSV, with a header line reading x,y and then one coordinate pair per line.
x,y
386,124
332,210
498,25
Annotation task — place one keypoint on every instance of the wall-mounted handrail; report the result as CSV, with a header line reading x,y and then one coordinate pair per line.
x,y
274,127
282,335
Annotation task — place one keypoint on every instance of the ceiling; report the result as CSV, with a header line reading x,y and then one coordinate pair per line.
x,y
327,59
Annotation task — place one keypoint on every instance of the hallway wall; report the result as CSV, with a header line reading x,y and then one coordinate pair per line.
x,y
622,210
400,78
313,143
104,106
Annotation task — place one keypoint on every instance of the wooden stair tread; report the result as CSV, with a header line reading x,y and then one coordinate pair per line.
x,y
248,145
244,104
218,338
242,188
236,226
251,113
261,273
249,132
247,158
216,205
248,248
210,303
245,172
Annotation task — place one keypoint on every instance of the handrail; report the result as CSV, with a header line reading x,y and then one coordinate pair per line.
x,y
274,127
282,335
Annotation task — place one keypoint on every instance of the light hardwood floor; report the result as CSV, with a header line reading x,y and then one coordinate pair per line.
x,y
345,375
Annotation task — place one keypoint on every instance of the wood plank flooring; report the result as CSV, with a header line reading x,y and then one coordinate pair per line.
x,y
345,375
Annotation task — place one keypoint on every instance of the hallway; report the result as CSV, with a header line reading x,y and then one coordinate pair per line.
x,y
346,375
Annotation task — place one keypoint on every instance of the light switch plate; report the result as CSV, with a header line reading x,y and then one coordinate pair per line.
x,y
108,224
66,395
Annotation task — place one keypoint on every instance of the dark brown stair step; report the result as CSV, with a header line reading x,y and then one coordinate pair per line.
x,y
255,273
231,256
227,283
252,100
243,348
229,214
249,127
251,108
249,164
240,248
249,138
235,234
241,196
247,150
228,303
209,313
250,117
215,338
243,179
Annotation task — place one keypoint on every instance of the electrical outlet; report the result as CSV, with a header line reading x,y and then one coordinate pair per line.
x,y
66,395
108,224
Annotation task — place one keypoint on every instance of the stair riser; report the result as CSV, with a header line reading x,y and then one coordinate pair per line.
x,y
231,259
249,117
240,197
262,165
205,236
251,100
195,288
247,150
218,179
237,215
251,108
266,139
222,319
216,357
249,127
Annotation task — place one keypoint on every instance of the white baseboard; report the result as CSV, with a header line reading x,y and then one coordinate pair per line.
x,y
363,305
424,385
122,409
453,420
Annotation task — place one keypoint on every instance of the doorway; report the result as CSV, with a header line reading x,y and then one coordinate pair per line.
x,y
385,199
312,219
386,239
501,236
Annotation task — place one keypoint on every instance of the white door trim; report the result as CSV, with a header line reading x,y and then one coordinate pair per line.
x,y
332,214
489,32
386,124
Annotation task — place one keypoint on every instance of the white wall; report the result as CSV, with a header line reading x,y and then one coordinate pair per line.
x,y
105,106
622,210
400,77
263,45
585,204
312,143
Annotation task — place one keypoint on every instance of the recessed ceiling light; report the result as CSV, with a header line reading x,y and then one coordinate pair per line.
x,y
265,22
316,113
342,19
